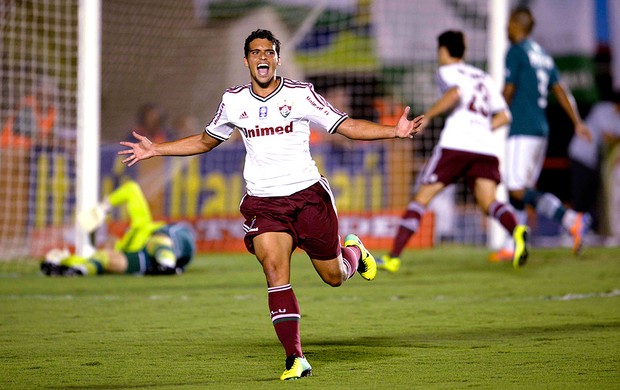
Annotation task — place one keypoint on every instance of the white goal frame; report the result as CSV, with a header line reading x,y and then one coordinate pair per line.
x,y
497,25
89,115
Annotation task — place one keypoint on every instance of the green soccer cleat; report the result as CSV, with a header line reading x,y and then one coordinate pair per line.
x,y
520,254
296,367
367,267
388,263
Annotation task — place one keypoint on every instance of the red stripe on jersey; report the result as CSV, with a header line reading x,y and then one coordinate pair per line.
x,y
324,102
217,115
295,83
237,89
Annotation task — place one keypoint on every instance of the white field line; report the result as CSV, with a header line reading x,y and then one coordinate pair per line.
x,y
574,297
68,297
566,297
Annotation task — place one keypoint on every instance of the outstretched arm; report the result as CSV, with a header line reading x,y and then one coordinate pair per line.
x,y
360,129
129,194
568,104
445,103
188,146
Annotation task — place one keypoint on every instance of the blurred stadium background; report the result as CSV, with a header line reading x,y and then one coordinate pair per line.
x,y
369,58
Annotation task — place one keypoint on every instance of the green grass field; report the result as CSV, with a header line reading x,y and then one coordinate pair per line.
x,y
449,319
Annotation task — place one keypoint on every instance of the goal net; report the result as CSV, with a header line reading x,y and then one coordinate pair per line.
x,y
165,65
38,72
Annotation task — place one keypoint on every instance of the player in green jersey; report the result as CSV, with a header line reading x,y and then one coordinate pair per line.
x,y
530,75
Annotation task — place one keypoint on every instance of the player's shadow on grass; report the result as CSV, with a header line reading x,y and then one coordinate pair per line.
x,y
352,350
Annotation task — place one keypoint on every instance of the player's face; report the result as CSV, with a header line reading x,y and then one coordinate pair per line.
x,y
262,60
513,29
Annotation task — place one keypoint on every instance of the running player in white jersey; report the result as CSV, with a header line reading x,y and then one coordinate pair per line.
x,y
467,147
288,203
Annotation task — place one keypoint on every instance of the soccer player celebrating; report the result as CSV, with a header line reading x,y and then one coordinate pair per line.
x,y
288,203
467,147
530,75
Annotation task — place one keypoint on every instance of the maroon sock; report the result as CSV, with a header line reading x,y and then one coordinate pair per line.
x,y
504,215
409,225
351,257
285,317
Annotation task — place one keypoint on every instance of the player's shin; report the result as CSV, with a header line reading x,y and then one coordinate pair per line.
x,y
409,225
86,266
502,213
285,316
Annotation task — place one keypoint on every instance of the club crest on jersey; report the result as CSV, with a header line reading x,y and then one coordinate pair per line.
x,y
262,112
285,109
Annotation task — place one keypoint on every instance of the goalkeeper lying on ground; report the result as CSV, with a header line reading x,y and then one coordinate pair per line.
x,y
147,247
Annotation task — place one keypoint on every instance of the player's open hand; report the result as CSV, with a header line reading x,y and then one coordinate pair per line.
x,y
407,128
137,151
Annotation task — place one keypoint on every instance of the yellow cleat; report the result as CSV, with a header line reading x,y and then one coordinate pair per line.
x,y
296,367
367,267
389,263
520,254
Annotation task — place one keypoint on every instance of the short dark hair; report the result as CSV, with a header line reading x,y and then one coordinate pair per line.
x,y
261,34
453,41
524,17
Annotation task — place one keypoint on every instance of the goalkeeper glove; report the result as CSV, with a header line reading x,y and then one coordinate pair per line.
x,y
91,219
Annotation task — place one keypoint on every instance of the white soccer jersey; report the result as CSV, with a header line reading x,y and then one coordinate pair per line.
x,y
276,134
468,126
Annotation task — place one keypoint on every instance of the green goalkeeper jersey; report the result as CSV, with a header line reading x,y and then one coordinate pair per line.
x,y
533,72
141,224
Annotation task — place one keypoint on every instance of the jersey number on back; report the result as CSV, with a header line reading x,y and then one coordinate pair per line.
x,y
479,102
543,86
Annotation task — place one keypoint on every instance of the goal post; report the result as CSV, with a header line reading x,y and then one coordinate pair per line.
x,y
88,112
497,32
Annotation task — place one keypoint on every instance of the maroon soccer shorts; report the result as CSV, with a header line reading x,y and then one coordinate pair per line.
x,y
448,166
309,216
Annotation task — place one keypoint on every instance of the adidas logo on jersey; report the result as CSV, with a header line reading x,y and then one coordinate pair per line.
x,y
258,131
243,115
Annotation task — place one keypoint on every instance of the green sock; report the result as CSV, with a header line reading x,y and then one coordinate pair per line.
x,y
79,262
93,266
